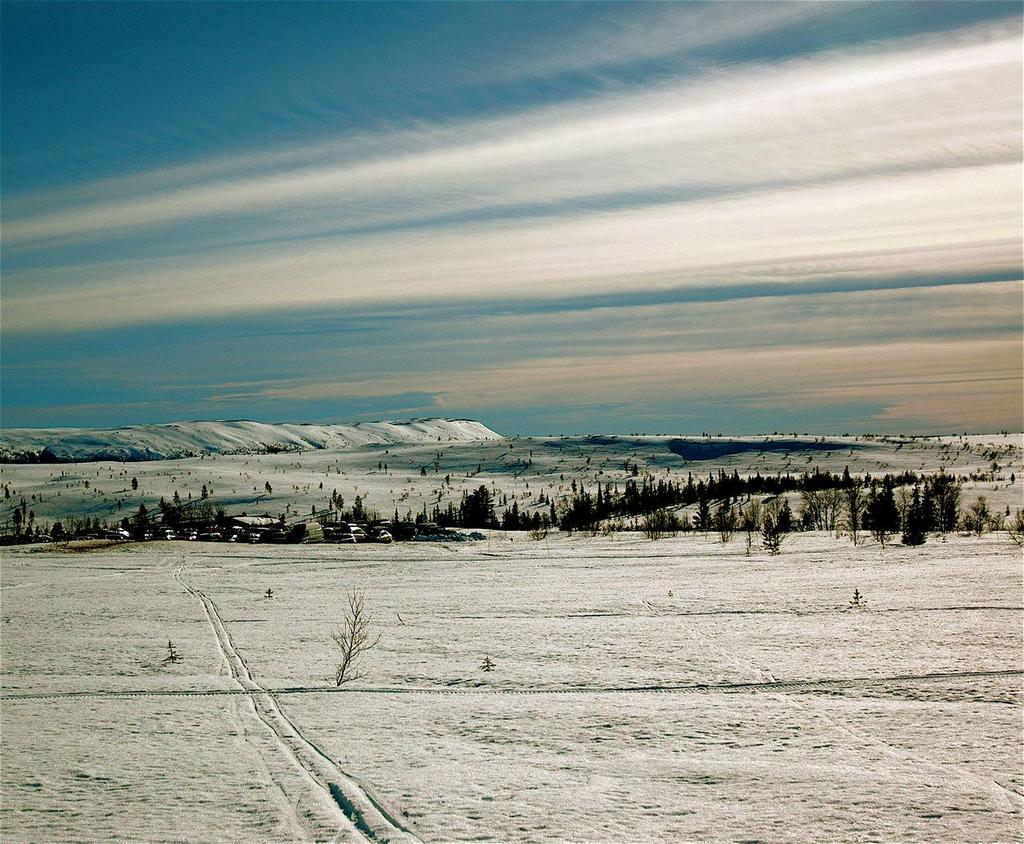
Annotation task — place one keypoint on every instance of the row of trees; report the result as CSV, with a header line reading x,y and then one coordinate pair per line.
x,y
906,504
477,510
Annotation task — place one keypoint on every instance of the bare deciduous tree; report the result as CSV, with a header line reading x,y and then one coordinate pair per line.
x,y
659,523
750,521
978,516
1015,528
854,504
354,638
831,505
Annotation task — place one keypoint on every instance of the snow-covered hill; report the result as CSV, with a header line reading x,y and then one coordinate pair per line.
x,y
187,439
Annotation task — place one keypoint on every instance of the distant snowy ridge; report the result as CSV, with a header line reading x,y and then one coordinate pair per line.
x,y
190,439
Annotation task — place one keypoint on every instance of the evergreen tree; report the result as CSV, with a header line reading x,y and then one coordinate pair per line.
x,y
703,515
882,516
784,522
914,526
477,509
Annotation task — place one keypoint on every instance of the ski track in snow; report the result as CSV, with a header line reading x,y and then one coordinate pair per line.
x,y
938,778
767,685
359,815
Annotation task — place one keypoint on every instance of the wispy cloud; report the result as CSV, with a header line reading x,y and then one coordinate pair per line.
x,y
957,220
625,35
927,106
905,378
656,200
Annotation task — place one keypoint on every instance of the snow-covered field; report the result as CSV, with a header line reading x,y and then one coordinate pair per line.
x,y
670,690
405,476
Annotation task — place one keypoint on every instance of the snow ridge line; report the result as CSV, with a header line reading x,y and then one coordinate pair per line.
x,y
358,807
700,688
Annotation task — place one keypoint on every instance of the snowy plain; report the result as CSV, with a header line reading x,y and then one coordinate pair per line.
x,y
669,690
665,690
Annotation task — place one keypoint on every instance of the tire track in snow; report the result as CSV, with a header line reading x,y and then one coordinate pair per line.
x,y
683,688
360,812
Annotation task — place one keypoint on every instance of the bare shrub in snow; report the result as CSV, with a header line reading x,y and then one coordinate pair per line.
x,y
978,516
1015,527
655,525
750,521
354,638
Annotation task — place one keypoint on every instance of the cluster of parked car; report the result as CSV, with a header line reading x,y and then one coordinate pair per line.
x,y
260,530
304,532
352,533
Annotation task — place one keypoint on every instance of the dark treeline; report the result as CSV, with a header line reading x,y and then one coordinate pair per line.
x,y
822,492
584,509
477,510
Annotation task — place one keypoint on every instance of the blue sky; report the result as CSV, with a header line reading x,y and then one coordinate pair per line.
x,y
553,217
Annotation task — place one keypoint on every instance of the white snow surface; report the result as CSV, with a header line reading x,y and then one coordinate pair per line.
x,y
187,439
676,690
